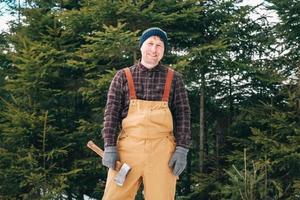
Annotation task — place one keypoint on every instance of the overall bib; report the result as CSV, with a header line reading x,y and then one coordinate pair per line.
x,y
146,143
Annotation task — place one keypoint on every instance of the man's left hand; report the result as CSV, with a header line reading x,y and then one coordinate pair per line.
x,y
178,160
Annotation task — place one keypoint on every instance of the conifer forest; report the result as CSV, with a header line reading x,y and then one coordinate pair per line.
x,y
240,64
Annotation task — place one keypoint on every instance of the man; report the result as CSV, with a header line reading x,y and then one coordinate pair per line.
x,y
144,100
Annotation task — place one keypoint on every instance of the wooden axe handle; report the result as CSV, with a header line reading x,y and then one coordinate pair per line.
x,y
95,148
100,152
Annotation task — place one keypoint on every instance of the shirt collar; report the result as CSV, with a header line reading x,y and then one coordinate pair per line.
x,y
158,67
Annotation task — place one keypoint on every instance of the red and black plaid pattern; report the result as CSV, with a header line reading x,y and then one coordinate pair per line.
x,y
149,85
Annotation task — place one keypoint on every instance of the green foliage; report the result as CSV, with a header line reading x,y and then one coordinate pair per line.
x,y
58,59
250,183
4,64
275,134
29,167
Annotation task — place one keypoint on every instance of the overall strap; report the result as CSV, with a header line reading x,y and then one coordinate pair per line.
x,y
130,83
168,84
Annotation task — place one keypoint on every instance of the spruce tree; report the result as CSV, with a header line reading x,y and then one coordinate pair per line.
x,y
268,126
39,126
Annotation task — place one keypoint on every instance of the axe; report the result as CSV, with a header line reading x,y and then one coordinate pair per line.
x,y
122,169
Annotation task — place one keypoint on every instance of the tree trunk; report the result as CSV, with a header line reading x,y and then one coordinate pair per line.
x,y
189,174
231,111
218,151
69,195
201,127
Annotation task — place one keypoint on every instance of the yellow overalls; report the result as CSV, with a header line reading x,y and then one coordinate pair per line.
x,y
146,143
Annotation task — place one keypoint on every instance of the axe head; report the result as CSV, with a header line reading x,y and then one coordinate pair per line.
x,y
120,177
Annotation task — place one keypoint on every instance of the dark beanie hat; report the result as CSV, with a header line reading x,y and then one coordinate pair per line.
x,y
154,31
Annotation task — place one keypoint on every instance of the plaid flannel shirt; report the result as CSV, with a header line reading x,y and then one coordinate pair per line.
x,y
149,85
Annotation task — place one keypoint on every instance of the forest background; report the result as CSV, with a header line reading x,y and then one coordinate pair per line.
x,y
242,74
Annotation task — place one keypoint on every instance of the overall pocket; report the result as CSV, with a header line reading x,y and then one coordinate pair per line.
x,y
162,119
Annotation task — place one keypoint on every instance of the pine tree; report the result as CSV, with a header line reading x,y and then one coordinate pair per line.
x,y
133,16
65,55
39,119
222,68
4,64
268,127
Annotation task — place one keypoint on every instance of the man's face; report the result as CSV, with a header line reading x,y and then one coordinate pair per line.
x,y
152,51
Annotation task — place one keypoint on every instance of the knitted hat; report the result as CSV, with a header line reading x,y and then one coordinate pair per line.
x,y
154,31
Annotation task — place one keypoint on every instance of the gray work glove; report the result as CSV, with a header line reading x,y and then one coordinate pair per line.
x,y
110,157
178,160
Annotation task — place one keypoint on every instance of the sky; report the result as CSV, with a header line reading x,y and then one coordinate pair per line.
x,y
4,20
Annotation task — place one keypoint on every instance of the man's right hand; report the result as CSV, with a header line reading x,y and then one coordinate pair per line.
x,y
110,157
